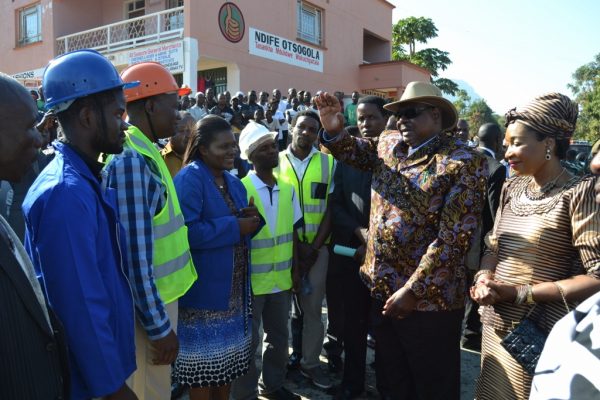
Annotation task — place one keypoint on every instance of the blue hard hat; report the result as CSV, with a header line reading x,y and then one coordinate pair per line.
x,y
79,74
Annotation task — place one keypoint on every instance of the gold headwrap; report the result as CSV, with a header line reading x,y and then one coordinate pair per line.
x,y
552,114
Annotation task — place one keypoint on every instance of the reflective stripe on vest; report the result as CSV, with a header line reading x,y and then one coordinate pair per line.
x,y
264,268
271,253
316,172
270,242
173,270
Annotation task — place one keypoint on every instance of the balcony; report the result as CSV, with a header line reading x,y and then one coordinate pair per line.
x,y
390,76
140,31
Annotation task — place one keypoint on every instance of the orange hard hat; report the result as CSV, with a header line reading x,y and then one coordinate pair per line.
x,y
154,80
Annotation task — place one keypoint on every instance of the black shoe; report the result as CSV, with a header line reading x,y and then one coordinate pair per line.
x,y
294,361
281,394
335,364
345,393
471,342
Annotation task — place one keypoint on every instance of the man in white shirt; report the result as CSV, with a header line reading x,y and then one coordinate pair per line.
x,y
199,110
282,106
311,173
273,264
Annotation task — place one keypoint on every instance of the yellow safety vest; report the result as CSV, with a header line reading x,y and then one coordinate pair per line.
x,y
312,189
271,254
174,271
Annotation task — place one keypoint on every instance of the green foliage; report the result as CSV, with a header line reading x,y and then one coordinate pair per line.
x,y
446,85
586,88
462,103
479,113
412,30
476,112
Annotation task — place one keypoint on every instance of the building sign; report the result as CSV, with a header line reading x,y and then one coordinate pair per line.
x,y
170,55
36,74
231,22
276,48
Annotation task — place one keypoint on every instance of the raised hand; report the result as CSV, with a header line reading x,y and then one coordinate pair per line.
x,y
329,110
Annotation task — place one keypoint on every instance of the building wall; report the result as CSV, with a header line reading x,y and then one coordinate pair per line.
x,y
342,47
18,59
72,16
345,40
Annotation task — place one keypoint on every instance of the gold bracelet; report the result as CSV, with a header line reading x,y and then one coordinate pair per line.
x,y
562,294
530,299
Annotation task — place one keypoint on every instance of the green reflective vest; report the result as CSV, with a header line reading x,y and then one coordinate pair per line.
x,y
272,252
174,272
312,189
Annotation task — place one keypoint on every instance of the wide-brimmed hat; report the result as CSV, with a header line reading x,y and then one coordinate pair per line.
x,y
426,93
252,136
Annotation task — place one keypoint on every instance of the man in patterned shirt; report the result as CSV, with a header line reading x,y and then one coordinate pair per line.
x,y
427,195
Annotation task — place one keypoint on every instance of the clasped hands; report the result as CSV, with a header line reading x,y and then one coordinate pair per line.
x,y
249,218
487,292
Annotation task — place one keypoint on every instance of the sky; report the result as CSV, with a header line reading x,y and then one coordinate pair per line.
x,y
510,51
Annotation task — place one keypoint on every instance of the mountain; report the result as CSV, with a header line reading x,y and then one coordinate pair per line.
x,y
464,85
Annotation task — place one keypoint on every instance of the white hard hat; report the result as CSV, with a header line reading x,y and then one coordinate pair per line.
x,y
252,136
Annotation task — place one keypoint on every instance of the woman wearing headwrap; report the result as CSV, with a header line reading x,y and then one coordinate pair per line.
x,y
544,250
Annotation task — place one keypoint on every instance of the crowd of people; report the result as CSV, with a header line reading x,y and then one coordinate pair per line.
x,y
152,241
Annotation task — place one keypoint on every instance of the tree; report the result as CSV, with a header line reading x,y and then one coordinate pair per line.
x,y
586,88
412,30
462,103
477,114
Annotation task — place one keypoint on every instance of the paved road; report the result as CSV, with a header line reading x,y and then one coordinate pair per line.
x,y
469,372
300,385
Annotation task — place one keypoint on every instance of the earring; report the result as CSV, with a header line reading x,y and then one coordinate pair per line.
x,y
548,156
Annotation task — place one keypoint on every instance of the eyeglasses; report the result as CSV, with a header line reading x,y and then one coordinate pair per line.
x,y
410,113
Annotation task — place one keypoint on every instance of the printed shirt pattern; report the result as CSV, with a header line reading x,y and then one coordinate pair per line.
x,y
425,208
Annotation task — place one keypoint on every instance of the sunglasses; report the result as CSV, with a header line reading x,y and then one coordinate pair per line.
x,y
412,112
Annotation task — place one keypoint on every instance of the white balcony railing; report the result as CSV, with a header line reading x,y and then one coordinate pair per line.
x,y
151,28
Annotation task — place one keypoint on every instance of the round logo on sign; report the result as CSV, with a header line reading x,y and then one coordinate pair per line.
x,y
231,22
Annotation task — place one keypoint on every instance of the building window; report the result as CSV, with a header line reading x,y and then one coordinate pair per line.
x,y
135,8
174,3
215,78
30,25
310,23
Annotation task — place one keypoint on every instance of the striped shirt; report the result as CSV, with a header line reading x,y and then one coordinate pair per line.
x,y
140,196
543,240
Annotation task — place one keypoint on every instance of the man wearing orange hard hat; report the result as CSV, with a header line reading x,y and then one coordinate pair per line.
x,y
160,268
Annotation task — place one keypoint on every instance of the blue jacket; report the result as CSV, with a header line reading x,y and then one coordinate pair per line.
x,y
73,240
212,233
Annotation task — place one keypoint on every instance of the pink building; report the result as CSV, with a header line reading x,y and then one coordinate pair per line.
x,y
240,45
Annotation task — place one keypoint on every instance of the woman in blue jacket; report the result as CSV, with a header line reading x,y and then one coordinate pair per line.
x,y
214,315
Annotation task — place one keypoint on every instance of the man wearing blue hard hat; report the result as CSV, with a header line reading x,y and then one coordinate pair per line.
x,y
73,232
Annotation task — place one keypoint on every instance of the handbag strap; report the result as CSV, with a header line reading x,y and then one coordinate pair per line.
x,y
562,295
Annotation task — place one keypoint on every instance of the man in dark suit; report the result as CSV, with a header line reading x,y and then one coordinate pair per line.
x,y
348,299
490,142
32,346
